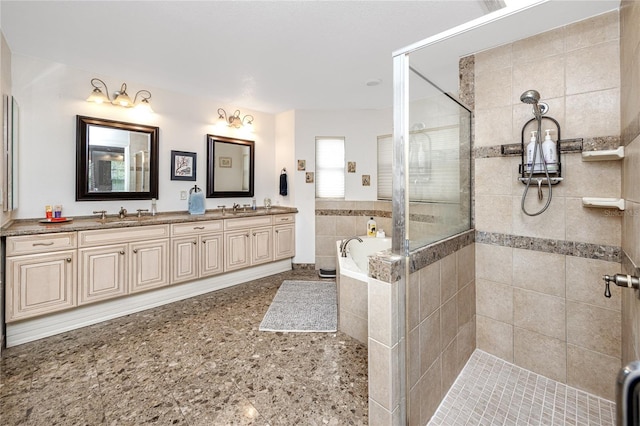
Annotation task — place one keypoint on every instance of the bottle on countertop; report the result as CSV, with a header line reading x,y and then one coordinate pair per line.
x,y
154,207
371,228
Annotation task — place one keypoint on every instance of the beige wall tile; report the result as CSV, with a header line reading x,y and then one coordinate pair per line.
x,y
543,45
590,179
540,226
414,406
493,88
413,303
430,346
346,227
493,213
539,271
448,322
325,262
631,190
325,246
430,392
326,225
353,297
448,277
602,371
592,114
596,226
354,326
593,68
429,289
378,415
494,263
466,342
449,365
599,29
594,328
494,337
493,127
466,258
494,300
413,361
548,78
540,354
380,380
466,300
539,312
493,176
496,58
585,283
383,318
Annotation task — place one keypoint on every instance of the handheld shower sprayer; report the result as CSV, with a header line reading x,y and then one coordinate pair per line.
x,y
532,97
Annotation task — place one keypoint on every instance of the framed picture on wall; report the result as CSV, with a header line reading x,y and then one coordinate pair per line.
x,y
225,162
183,165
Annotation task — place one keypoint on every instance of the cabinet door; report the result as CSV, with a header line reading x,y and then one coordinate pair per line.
x,y
103,273
40,284
236,250
211,255
261,245
284,242
149,265
184,259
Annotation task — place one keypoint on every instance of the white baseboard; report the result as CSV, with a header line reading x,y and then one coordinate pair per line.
x,y
49,325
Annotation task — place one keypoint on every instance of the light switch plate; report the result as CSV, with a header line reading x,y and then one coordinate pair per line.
x,y
183,195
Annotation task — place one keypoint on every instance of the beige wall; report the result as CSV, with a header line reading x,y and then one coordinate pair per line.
x,y
544,309
630,123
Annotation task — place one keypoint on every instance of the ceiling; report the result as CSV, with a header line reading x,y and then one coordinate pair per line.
x,y
268,56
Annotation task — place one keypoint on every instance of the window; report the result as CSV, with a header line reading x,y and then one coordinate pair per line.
x,y
385,167
329,167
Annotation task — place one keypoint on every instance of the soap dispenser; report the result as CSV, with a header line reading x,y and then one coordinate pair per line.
x,y
530,148
550,152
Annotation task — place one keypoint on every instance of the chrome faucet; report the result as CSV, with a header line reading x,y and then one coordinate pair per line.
x,y
236,206
344,243
122,213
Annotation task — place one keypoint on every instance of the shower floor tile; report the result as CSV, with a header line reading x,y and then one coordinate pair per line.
x,y
490,391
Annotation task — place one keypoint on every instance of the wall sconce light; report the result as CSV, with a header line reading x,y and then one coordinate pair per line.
x,y
235,120
120,98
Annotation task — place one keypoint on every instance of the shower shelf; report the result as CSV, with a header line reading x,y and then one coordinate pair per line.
x,y
554,180
603,203
605,155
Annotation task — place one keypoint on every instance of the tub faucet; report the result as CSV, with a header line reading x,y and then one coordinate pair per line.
x,y
344,243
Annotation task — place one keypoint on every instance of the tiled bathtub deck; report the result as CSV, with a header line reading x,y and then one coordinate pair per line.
x,y
490,391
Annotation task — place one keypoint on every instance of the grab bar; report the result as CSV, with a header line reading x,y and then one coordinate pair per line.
x,y
628,395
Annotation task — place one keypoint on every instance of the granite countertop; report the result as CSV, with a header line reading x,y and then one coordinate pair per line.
x,y
83,223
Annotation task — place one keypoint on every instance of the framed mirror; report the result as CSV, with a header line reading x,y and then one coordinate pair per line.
x,y
230,167
115,160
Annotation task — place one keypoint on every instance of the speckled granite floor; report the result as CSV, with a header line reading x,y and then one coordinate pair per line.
x,y
201,361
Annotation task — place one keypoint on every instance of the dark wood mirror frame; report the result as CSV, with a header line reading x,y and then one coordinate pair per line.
x,y
82,160
213,189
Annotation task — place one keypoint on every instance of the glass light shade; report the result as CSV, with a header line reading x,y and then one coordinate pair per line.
x,y
97,96
122,99
144,106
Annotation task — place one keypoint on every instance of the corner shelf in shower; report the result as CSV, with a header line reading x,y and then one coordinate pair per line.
x,y
604,155
603,203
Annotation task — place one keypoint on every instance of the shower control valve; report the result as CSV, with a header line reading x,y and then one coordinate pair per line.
x,y
621,280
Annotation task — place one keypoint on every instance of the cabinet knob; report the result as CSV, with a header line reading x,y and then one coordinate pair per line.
x,y
254,234
194,243
277,230
68,260
135,250
121,251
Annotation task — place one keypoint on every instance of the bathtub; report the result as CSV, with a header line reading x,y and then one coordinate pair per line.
x,y
352,280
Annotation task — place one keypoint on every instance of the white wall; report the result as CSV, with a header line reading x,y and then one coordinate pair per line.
x,y
52,94
360,128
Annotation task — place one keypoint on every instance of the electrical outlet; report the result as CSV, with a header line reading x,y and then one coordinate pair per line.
x,y
183,195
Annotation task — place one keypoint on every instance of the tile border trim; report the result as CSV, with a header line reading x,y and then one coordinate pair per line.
x,y
547,245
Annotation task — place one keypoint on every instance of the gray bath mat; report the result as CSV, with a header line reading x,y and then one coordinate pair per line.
x,y
304,306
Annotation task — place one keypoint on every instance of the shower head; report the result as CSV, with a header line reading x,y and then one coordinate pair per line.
x,y
532,97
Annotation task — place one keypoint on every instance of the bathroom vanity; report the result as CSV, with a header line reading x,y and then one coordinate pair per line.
x,y
67,275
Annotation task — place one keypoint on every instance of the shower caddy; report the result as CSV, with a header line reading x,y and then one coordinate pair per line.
x,y
556,176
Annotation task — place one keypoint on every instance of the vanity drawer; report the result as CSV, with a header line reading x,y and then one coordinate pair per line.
x,y
41,243
283,218
246,222
122,235
191,228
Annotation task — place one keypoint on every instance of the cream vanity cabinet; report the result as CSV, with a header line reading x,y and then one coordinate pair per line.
x,y
115,262
40,274
196,250
284,240
248,241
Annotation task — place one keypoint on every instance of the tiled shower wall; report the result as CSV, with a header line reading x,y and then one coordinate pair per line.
x,y
630,112
539,285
